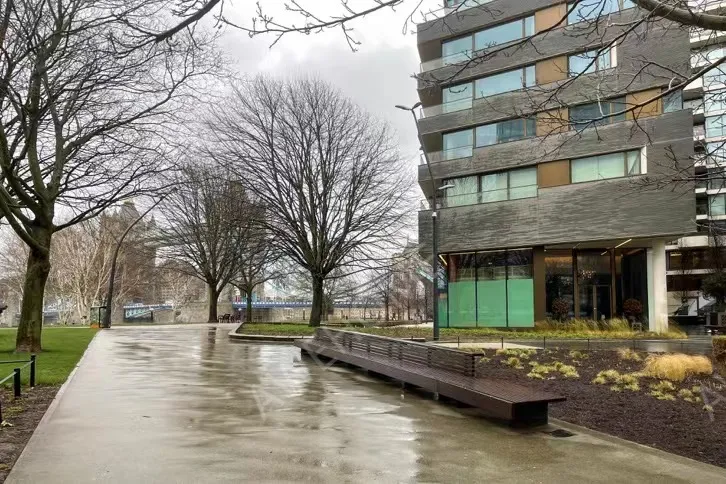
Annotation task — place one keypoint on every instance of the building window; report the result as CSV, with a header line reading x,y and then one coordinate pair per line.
x,y
495,187
465,191
490,289
592,9
457,50
501,34
591,61
613,165
511,130
673,102
509,185
707,56
715,77
505,82
717,205
715,126
457,97
458,144
597,114
714,102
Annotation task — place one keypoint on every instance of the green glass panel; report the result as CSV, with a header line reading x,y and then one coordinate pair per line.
x,y
492,303
462,304
443,311
520,293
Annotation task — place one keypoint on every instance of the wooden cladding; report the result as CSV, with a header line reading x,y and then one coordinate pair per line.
x,y
551,70
553,174
652,108
553,122
550,17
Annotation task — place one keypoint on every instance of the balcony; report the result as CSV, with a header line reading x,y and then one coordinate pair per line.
x,y
451,154
694,104
452,59
699,132
446,108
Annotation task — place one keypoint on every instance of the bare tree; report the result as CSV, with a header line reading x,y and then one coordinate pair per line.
x,y
257,261
204,221
328,174
83,119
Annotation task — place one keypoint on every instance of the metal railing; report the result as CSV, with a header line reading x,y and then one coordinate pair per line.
x,y
15,376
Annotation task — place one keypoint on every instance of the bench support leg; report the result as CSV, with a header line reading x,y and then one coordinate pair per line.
x,y
436,396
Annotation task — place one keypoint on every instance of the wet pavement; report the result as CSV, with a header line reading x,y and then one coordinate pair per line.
x,y
178,405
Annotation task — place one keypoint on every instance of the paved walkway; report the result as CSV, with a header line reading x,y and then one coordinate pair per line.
x,y
188,405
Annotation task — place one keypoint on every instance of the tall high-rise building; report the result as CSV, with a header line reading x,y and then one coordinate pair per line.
x,y
550,129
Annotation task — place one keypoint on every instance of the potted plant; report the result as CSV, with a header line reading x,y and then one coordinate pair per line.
x,y
560,309
633,309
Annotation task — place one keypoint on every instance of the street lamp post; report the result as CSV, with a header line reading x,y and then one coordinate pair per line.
x,y
434,217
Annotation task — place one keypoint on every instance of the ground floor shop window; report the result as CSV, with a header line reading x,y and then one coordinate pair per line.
x,y
489,289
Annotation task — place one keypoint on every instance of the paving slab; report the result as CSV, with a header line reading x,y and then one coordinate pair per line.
x,y
190,405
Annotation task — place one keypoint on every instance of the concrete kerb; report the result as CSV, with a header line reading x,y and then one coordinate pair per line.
x,y
54,404
263,338
674,458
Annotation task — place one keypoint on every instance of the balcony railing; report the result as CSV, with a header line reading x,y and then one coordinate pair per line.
x,y
450,107
699,132
452,59
451,154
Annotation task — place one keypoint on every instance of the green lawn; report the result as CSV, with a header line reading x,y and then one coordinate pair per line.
x,y
62,348
454,333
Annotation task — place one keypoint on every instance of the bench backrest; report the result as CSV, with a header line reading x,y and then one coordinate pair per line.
x,y
406,351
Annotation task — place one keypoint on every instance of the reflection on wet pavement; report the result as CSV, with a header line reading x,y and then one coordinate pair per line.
x,y
189,405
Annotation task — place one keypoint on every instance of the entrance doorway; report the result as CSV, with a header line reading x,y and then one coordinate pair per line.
x,y
595,301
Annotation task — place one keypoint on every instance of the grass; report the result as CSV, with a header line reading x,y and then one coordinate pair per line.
x,y
677,367
451,334
628,354
62,348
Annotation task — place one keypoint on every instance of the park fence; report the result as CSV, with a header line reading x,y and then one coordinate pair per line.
x,y
15,376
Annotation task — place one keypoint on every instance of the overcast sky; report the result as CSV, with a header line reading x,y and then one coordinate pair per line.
x,y
376,77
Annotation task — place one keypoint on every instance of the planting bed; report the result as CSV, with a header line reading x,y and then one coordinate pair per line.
x,y
679,426
23,416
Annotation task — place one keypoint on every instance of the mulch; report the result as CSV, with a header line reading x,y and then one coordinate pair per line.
x,y
23,415
678,426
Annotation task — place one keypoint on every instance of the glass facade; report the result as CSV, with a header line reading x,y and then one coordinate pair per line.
x,y
592,9
457,50
559,280
590,61
490,289
504,131
673,102
714,102
458,144
613,165
716,126
457,97
501,34
506,82
717,205
492,187
597,114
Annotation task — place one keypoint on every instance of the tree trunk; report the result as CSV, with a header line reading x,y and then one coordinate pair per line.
x,y
248,315
316,313
212,297
31,311
385,302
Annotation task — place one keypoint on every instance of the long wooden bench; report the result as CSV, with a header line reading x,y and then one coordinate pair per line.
x,y
443,371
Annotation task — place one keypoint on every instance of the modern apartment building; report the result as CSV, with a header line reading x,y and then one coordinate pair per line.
x,y
545,199
690,259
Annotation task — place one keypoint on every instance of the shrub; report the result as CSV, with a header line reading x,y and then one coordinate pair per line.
x,y
632,308
569,371
628,354
484,359
677,367
560,309
663,386
578,355
719,349
662,396
514,362
536,376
